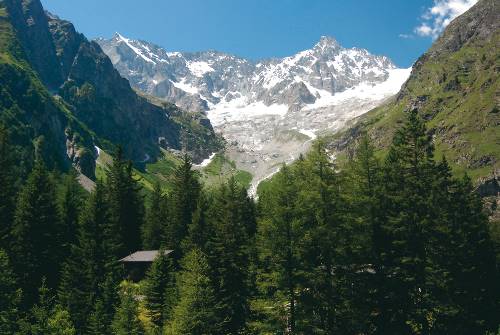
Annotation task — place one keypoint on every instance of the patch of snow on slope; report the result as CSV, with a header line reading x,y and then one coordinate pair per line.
x,y
185,86
365,91
205,162
199,68
309,132
239,110
136,50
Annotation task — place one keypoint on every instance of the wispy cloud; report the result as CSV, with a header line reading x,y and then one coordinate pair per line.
x,y
406,36
437,17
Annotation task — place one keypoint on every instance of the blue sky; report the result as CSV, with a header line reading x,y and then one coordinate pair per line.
x,y
399,29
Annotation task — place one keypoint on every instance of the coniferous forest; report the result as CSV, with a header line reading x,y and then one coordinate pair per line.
x,y
377,245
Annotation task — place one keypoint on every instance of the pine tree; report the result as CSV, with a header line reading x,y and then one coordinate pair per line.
x,y
471,267
10,297
70,203
195,312
98,323
60,323
84,270
126,206
409,176
185,193
156,220
229,255
7,187
199,229
126,320
279,240
36,234
47,318
159,290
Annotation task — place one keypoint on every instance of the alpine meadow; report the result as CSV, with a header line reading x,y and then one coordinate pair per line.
x,y
146,191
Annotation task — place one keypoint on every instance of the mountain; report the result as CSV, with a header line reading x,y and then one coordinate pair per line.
x,y
268,111
455,87
60,89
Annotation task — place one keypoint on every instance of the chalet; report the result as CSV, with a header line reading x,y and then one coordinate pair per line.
x,y
137,263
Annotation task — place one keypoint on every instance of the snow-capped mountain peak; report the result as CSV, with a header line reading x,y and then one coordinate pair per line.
x,y
258,104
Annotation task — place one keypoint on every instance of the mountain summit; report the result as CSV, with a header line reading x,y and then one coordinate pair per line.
x,y
269,110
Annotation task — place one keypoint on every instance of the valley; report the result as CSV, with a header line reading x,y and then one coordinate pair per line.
x,y
269,111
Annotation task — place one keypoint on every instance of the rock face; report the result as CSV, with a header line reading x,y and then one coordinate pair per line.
x,y
91,103
455,87
203,79
269,111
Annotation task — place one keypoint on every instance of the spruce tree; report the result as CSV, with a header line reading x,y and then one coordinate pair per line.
x,y
98,323
7,187
184,198
411,219
199,230
36,233
10,296
126,320
156,220
195,312
280,233
159,290
70,203
126,206
229,255
84,270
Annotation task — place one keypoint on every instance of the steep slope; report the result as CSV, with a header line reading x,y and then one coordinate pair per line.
x,y
88,89
455,86
38,123
268,111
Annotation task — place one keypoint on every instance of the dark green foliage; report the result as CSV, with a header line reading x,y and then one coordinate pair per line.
x,y
159,290
47,318
36,234
126,207
185,192
10,297
229,254
70,203
156,220
7,187
126,320
84,270
195,313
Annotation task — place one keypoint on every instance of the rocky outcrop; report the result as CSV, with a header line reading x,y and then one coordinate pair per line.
x,y
94,104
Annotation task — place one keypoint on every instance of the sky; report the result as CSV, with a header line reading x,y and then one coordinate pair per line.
x,y
257,29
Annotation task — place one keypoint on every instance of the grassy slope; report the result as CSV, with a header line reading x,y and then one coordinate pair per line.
x,y
459,98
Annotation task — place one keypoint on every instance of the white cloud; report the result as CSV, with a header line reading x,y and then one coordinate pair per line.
x,y
436,18
406,36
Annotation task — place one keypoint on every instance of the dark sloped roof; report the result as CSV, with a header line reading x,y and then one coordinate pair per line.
x,y
143,256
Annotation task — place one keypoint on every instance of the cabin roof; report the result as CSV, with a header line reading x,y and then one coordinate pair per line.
x,y
144,256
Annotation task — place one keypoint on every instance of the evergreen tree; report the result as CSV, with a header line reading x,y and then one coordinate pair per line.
x,y
199,229
156,220
159,290
229,255
98,321
60,323
36,233
126,206
47,318
195,312
470,266
7,187
185,193
280,235
84,269
10,297
70,203
126,320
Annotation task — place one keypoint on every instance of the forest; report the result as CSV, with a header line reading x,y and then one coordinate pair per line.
x,y
373,245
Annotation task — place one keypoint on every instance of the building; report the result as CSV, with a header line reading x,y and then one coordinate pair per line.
x,y
137,263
